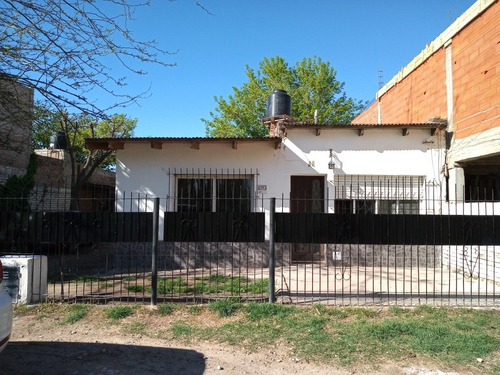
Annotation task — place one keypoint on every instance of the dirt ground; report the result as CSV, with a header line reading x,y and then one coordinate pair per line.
x,y
40,345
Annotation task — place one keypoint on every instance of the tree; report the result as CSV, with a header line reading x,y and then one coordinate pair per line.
x,y
66,49
61,51
311,83
76,128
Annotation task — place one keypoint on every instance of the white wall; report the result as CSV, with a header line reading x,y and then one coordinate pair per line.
x,y
144,170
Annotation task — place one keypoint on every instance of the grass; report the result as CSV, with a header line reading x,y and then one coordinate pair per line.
x,y
212,284
449,338
56,277
135,288
76,312
136,328
119,312
181,329
166,309
195,310
225,307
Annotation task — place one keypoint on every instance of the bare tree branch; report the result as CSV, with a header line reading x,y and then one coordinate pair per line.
x,y
65,49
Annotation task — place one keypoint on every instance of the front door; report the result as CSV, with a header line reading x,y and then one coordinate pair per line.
x,y
307,196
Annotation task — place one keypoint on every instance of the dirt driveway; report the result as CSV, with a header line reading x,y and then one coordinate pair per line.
x,y
106,353
42,346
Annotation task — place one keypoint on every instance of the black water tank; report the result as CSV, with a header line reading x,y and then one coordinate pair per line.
x,y
279,103
58,141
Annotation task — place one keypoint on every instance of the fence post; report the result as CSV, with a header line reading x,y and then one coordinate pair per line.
x,y
272,207
154,252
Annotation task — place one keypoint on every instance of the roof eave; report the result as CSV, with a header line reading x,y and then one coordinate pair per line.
x,y
158,143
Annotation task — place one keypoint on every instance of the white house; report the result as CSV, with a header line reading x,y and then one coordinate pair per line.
x,y
389,168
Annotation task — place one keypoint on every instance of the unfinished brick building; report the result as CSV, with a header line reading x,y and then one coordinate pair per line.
x,y
455,78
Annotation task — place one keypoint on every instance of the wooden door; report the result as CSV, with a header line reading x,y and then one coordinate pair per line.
x,y
307,196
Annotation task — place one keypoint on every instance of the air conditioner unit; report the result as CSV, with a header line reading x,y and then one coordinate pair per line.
x,y
25,277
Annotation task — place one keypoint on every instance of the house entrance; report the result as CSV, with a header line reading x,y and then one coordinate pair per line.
x,y
307,196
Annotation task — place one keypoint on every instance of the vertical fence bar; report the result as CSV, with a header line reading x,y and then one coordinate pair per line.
x,y
272,208
154,253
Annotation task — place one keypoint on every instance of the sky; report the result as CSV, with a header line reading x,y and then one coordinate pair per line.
x,y
366,42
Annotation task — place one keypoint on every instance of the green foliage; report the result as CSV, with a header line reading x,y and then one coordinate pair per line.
x,y
77,128
119,312
16,190
168,286
166,309
135,288
311,83
259,311
225,307
444,337
180,329
136,328
212,284
85,279
76,312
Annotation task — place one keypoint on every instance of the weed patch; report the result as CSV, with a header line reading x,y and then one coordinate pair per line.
x,y
225,307
76,312
135,288
166,309
137,328
259,311
180,329
119,312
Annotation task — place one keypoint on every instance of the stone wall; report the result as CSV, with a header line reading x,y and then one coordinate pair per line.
x,y
385,255
133,256
174,255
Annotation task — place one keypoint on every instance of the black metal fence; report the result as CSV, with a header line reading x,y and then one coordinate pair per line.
x,y
449,257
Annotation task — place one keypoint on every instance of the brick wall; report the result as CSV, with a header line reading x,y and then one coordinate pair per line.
x,y
416,98
369,115
16,105
53,184
476,74
419,93
53,169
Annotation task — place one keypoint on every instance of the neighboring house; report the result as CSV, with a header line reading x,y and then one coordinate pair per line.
x,y
15,127
52,191
457,78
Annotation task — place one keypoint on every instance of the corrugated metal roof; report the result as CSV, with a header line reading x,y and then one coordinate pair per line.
x,y
423,125
157,142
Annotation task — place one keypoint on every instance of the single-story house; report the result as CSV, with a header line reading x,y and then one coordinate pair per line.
x,y
381,168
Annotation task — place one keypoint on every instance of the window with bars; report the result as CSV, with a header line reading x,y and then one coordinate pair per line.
x,y
214,194
378,194
370,206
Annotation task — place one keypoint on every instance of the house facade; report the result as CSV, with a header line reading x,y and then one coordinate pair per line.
x,y
456,77
307,167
